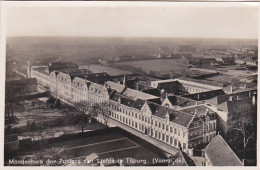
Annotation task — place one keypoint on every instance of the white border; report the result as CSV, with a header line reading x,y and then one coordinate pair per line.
x,y
5,4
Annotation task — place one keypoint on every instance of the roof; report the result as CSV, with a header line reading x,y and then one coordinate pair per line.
x,y
204,95
135,94
181,101
201,110
234,105
222,98
206,82
57,65
96,86
138,104
178,117
220,154
154,91
182,159
115,86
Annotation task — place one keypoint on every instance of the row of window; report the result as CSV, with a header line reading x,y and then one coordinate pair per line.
x,y
156,134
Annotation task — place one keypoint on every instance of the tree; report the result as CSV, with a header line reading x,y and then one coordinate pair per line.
x,y
82,113
104,110
81,119
243,125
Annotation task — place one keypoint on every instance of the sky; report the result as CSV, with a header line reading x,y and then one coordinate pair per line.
x,y
188,22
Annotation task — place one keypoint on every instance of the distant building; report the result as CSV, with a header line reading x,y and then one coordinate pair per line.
x,y
226,60
186,48
183,86
60,66
218,153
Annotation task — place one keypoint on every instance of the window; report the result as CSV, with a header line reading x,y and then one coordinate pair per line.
x,y
135,124
175,142
151,121
167,138
167,127
163,137
163,126
171,140
155,123
159,135
155,134
171,129
175,131
179,132
159,124
184,134
184,145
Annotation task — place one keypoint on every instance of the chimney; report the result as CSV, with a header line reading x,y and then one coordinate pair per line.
x,y
124,81
249,94
198,96
119,100
237,97
254,99
166,95
162,94
191,150
203,153
231,89
230,98
136,85
196,103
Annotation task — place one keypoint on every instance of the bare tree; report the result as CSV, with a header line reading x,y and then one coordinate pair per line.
x,y
104,110
83,112
243,121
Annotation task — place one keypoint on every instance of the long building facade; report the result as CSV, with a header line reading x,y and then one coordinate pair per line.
x,y
176,128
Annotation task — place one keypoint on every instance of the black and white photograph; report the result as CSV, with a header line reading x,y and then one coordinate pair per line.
x,y
97,84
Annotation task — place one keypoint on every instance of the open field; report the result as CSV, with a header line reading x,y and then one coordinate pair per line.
x,y
158,65
111,145
108,70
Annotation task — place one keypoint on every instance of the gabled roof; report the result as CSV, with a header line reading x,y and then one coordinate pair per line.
x,y
138,104
178,117
220,154
201,110
182,159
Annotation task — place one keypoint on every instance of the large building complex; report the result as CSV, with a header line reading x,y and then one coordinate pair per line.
x,y
138,110
175,118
